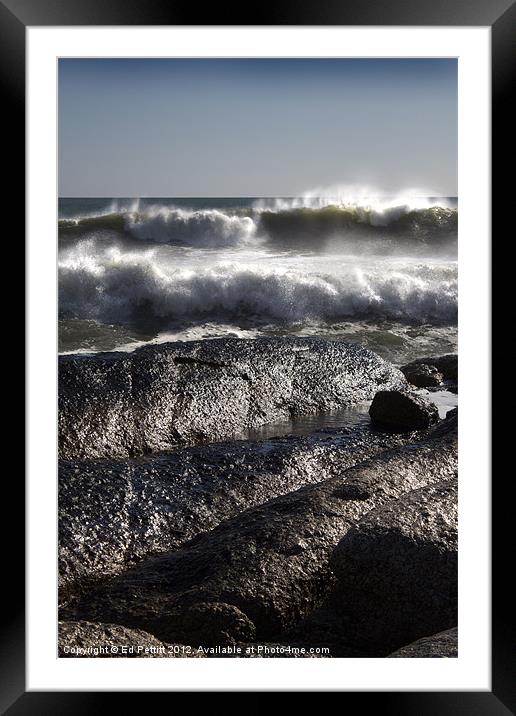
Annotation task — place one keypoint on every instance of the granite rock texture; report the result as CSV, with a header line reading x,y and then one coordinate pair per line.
x,y
114,513
85,639
270,564
161,397
396,570
438,646
402,410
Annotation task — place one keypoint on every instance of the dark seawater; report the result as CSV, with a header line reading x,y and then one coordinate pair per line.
x,y
382,273
331,424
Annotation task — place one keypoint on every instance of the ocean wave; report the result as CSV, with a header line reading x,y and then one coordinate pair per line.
x,y
162,225
204,228
361,204
400,223
216,228
118,286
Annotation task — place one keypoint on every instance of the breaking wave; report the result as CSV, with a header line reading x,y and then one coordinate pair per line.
x,y
207,228
119,287
271,222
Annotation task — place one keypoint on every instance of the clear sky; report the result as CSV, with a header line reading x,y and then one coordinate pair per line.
x,y
255,127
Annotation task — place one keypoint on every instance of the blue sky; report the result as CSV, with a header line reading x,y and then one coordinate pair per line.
x,y
255,127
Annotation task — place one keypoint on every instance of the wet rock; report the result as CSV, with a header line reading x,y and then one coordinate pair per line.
x,y
271,562
448,365
114,513
400,410
423,375
212,623
396,570
90,640
438,646
432,371
164,396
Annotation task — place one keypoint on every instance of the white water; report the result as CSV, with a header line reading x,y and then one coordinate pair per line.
x,y
172,283
336,263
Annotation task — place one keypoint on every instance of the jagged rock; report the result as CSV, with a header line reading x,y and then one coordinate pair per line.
x,y
271,562
396,570
400,410
114,513
438,646
423,375
88,640
160,397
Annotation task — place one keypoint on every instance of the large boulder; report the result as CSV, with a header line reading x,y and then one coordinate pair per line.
x,y
438,646
114,513
269,564
396,570
84,639
402,410
163,396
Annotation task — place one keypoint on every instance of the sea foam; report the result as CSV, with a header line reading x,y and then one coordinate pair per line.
x,y
116,286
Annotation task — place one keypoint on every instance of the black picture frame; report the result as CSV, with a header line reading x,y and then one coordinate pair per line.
x,y
500,15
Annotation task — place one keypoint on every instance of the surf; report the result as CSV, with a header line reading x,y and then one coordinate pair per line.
x,y
276,226
115,286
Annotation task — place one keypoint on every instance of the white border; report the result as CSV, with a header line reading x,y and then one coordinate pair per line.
x,y
471,671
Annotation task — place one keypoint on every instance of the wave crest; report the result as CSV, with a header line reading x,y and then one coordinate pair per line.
x,y
204,228
273,224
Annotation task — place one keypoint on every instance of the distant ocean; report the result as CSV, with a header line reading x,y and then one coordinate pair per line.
x,y
382,273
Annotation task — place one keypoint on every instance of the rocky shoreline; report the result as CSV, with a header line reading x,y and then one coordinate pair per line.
x,y
177,394
177,537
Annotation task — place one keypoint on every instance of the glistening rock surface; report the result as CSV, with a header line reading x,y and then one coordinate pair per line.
x,y
164,396
438,646
113,513
402,410
92,640
269,564
396,570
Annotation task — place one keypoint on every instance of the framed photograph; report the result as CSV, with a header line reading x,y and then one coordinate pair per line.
x,y
258,281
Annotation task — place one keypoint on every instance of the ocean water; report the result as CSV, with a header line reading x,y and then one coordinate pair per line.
x,y
380,272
